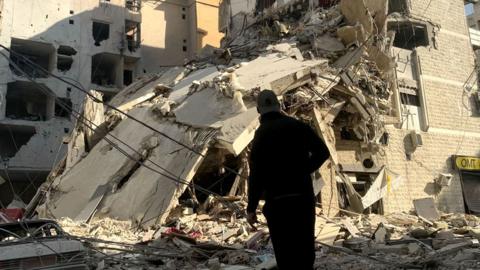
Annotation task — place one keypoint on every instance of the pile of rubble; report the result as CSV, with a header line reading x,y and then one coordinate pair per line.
x,y
168,131
211,240
169,154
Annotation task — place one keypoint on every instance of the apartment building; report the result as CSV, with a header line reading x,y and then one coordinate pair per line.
x,y
433,145
439,130
103,45
432,142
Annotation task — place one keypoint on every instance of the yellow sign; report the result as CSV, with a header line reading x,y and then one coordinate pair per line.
x,y
467,163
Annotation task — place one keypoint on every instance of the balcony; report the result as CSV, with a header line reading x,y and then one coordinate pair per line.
x,y
475,38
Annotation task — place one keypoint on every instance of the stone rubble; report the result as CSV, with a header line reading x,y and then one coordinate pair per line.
x,y
329,67
218,239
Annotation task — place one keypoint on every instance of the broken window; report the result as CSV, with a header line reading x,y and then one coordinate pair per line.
x,y
127,77
411,107
129,67
64,57
66,50
26,51
132,35
410,100
27,101
12,137
105,68
400,6
409,35
133,5
100,31
408,94
63,107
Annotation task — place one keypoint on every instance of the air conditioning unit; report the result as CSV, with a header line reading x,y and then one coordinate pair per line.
x,y
416,139
444,179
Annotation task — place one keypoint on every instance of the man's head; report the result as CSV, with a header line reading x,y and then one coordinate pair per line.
x,y
267,102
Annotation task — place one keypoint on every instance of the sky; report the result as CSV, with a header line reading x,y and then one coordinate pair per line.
x,y
468,9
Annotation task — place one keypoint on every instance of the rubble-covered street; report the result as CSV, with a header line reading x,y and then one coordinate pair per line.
x,y
216,239
156,177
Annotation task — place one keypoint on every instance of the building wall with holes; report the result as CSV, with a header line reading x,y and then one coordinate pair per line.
x,y
95,44
453,127
58,33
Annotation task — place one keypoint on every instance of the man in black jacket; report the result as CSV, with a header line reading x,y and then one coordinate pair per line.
x,y
284,153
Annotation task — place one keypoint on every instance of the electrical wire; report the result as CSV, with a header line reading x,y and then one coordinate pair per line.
x,y
95,99
32,182
9,180
82,119
126,114
106,104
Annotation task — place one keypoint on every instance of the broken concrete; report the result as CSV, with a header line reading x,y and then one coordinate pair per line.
x,y
211,108
106,166
328,43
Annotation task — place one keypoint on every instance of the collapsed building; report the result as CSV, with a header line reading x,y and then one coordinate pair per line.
x,y
361,72
103,45
370,77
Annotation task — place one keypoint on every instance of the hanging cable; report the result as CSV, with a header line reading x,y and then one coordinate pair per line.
x,y
83,120
95,99
100,101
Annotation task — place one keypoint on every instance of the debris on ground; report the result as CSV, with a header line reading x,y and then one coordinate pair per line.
x,y
157,178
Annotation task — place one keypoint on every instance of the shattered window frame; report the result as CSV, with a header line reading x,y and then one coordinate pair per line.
x,y
100,32
408,40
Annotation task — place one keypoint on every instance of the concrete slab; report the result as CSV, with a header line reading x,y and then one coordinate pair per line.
x,y
426,208
128,93
148,197
328,234
328,43
326,133
92,205
98,168
180,91
356,11
278,74
207,108
135,193
144,89
94,114
238,131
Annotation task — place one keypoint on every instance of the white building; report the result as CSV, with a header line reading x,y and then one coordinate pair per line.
x,y
95,44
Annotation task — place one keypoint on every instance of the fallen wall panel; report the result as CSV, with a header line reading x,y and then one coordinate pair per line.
x,y
133,192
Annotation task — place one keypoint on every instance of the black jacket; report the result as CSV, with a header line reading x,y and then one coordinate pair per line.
x,y
285,151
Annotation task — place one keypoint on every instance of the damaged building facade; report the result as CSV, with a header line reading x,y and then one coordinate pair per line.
x,y
433,126
156,177
439,124
385,84
103,45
